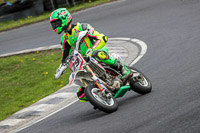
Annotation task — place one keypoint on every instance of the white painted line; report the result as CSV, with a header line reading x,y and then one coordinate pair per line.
x,y
142,52
114,48
120,38
32,50
46,116
118,51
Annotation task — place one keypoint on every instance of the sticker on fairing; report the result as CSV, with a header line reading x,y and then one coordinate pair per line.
x,y
71,78
89,51
91,30
96,44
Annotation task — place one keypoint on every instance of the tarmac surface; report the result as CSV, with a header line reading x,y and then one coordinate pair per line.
x,y
170,28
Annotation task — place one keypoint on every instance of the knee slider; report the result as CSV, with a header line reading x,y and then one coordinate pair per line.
x,y
101,55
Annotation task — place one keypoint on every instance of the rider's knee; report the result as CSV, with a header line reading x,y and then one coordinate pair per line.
x,y
100,55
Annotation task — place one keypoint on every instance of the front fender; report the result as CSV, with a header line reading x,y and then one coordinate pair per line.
x,y
78,76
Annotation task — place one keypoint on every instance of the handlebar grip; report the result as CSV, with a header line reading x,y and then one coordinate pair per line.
x,y
60,71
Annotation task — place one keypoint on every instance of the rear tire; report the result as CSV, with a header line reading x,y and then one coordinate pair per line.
x,y
142,85
94,96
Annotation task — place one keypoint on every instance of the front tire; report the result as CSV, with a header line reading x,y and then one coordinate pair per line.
x,y
141,84
94,96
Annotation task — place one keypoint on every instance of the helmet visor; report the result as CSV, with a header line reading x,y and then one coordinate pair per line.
x,y
55,24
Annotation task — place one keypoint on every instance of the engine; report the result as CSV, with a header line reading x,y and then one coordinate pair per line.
x,y
113,83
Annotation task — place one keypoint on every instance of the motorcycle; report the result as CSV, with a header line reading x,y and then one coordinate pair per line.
x,y
102,83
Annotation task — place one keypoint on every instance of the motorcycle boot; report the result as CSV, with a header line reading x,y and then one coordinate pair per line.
x,y
81,95
119,66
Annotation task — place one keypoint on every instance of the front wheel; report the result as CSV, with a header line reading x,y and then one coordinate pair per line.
x,y
140,84
104,103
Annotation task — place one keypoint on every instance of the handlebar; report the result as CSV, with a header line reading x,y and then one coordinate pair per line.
x,y
82,35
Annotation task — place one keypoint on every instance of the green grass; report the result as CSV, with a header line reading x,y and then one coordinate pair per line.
x,y
11,1
27,78
7,25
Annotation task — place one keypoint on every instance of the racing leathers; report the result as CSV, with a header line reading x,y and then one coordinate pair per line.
x,y
94,41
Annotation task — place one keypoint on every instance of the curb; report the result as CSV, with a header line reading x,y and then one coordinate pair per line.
x,y
31,50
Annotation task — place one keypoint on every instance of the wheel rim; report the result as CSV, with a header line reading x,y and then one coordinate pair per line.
x,y
141,79
98,96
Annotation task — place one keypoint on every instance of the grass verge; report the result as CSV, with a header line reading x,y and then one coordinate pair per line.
x,y
7,25
27,78
2,1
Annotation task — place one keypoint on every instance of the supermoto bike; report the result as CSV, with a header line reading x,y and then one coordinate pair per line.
x,y
102,83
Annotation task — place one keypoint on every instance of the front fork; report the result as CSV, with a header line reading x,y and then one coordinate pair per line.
x,y
96,79
98,83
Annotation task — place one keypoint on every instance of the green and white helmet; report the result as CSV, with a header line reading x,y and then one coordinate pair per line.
x,y
60,19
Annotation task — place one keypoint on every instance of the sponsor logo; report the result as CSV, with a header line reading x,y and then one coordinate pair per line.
x,y
76,33
96,44
66,37
89,51
62,13
91,30
69,16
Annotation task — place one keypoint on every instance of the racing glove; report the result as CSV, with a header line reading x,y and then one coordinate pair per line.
x,y
60,70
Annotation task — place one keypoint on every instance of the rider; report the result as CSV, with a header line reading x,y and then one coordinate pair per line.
x,y
60,20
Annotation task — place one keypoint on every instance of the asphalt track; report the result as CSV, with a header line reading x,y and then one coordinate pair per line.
x,y
171,30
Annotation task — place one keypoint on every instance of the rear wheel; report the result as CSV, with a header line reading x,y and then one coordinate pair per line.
x,y
106,103
140,83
